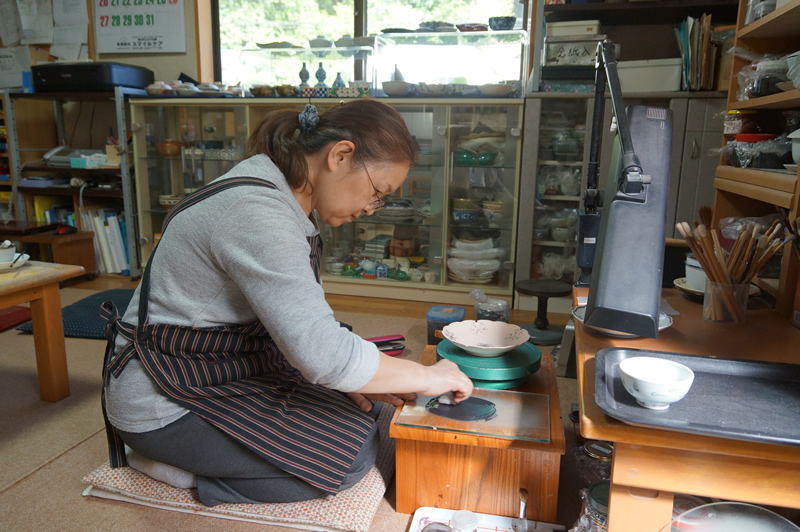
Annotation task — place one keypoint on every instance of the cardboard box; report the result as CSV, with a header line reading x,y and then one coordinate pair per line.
x,y
573,28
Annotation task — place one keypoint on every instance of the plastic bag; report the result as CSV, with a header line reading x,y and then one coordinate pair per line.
x,y
489,308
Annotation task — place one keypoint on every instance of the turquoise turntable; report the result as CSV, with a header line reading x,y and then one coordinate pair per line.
x,y
508,370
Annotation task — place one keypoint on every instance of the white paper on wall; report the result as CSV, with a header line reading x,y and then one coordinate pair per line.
x,y
13,61
10,24
70,13
37,21
74,34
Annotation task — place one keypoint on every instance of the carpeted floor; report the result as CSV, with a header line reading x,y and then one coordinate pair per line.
x,y
47,448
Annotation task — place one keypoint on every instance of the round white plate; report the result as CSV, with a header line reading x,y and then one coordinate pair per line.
x,y
664,321
11,265
792,167
681,284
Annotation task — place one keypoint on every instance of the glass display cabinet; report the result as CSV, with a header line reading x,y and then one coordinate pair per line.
x,y
451,228
182,144
557,160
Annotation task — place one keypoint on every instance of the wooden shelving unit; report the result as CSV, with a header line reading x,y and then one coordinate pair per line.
x,y
754,192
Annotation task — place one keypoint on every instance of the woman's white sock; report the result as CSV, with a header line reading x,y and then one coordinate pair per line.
x,y
171,475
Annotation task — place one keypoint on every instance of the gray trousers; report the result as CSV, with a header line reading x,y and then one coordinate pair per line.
x,y
227,472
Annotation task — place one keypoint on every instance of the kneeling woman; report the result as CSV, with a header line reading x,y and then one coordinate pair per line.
x,y
228,367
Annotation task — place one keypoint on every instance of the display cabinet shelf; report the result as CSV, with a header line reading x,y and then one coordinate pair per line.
x,y
782,100
71,191
625,13
30,136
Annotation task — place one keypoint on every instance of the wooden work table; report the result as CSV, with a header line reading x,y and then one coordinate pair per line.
x,y
37,283
651,464
481,473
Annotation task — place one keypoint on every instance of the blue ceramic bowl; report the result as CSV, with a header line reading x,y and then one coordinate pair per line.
x,y
465,216
502,23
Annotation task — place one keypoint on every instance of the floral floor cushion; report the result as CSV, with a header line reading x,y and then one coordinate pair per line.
x,y
350,510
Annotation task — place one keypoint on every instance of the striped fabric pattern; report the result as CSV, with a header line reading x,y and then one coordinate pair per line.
x,y
236,378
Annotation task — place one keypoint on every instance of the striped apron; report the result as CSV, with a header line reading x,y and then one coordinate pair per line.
x,y
236,378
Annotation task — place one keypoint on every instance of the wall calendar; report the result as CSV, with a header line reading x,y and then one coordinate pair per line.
x,y
139,26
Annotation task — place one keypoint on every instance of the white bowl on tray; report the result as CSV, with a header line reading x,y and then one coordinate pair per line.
x,y
485,338
655,383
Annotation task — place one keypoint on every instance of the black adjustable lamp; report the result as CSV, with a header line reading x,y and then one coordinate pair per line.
x,y
621,249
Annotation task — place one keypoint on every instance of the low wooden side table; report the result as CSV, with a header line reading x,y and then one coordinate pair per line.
x,y
37,283
76,248
481,473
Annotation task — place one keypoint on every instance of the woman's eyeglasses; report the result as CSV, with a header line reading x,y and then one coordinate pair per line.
x,y
377,203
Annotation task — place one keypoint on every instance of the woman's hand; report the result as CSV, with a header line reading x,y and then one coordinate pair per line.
x,y
362,400
447,377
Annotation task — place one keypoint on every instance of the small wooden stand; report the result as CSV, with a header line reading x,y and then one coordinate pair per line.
x,y
76,248
481,473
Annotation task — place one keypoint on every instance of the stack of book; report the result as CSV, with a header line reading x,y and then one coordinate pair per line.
x,y
110,237
698,52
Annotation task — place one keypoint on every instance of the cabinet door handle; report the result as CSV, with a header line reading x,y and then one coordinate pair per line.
x,y
441,130
515,131
695,149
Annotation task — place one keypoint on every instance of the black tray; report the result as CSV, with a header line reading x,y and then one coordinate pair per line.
x,y
735,399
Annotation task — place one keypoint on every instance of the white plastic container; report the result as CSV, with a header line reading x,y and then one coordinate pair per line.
x,y
650,75
573,28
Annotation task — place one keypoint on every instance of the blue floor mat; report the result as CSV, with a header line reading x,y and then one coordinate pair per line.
x,y
82,319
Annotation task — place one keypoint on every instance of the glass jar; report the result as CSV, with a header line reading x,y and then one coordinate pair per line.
x,y
738,122
596,507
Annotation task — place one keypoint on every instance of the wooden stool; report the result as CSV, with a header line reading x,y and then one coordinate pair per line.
x,y
543,289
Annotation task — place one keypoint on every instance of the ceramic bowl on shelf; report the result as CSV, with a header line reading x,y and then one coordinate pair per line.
x,y
485,338
465,216
168,201
169,148
396,89
502,23
655,383
430,89
495,90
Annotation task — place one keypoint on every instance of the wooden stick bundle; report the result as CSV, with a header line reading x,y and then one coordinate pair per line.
x,y
748,256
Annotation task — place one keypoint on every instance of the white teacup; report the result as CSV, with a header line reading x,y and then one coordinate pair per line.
x,y
430,277
416,275
8,254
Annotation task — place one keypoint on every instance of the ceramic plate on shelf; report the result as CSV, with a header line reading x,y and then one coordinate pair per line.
x,y
792,167
681,284
282,44
11,265
664,321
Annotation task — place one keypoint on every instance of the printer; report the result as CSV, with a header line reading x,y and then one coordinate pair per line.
x,y
98,76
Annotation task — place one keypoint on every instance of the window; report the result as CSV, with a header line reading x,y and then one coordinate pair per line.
x,y
277,25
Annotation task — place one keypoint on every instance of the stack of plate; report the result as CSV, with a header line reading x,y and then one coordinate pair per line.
x,y
473,278
398,209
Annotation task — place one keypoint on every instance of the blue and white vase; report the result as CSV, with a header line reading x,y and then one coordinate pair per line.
x,y
304,75
320,75
338,82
